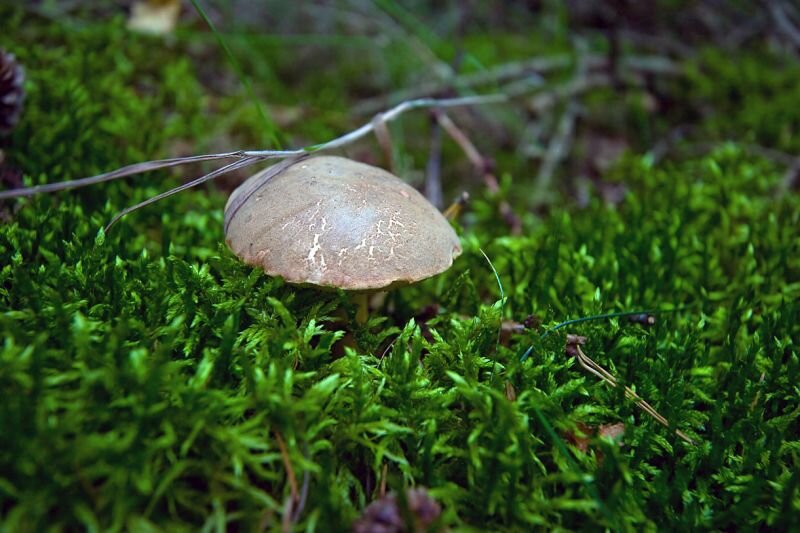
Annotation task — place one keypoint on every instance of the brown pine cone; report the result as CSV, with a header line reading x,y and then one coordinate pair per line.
x,y
385,516
12,92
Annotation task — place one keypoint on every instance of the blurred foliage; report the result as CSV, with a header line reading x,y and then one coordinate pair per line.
x,y
147,376
753,99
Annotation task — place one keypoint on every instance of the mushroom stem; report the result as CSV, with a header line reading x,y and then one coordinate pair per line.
x,y
362,314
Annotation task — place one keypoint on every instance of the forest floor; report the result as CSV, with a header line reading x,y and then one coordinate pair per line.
x,y
646,160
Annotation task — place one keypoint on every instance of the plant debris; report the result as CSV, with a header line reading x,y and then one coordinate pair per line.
x,y
12,91
390,514
149,380
582,437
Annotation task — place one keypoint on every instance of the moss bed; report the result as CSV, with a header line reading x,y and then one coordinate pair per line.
x,y
151,381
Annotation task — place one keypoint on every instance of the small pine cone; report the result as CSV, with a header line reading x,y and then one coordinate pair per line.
x,y
11,91
385,516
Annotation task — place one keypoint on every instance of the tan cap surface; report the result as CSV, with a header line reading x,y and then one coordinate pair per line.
x,y
335,222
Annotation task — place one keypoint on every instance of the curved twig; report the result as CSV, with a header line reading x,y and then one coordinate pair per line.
x,y
210,176
338,142
129,170
589,365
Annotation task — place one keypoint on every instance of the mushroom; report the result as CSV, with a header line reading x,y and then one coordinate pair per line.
x,y
336,223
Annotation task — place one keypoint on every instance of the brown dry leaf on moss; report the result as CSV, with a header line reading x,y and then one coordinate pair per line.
x,y
157,17
584,432
612,431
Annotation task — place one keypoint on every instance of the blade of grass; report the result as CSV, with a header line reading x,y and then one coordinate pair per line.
x,y
573,465
272,129
502,309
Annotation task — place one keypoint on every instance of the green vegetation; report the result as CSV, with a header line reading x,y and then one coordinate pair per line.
x,y
147,377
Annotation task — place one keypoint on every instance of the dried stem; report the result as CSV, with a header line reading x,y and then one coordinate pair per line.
x,y
558,148
245,157
481,164
210,176
384,478
262,155
136,168
783,22
472,153
397,111
287,463
250,187
433,170
514,71
587,363
385,141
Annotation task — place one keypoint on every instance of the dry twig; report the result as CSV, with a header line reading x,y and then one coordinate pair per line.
x,y
574,349
482,165
530,69
784,23
385,141
287,463
245,157
433,170
558,148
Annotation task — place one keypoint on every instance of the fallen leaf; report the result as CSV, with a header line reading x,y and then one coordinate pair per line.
x,y
612,431
157,17
583,434
511,392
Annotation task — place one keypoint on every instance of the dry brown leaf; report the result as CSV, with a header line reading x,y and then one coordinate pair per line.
x,y
583,433
157,17
613,431
511,392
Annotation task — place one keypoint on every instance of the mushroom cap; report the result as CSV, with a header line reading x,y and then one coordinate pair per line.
x,y
334,222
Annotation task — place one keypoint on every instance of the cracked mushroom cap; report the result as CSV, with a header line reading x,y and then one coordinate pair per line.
x,y
334,222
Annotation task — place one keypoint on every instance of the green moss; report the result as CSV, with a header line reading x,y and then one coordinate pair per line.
x,y
751,99
146,376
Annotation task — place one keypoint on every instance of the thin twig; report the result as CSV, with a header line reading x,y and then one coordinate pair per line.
x,y
481,164
129,170
791,176
385,141
384,478
287,463
513,71
246,157
545,100
783,22
298,510
397,111
339,142
286,516
248,188
656,42
558,147
211,175
466,145
433,170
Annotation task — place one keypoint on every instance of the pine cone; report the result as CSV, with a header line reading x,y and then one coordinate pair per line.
x,y
11,91
385,516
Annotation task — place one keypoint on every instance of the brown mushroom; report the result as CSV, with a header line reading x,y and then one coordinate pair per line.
x,y
333,222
